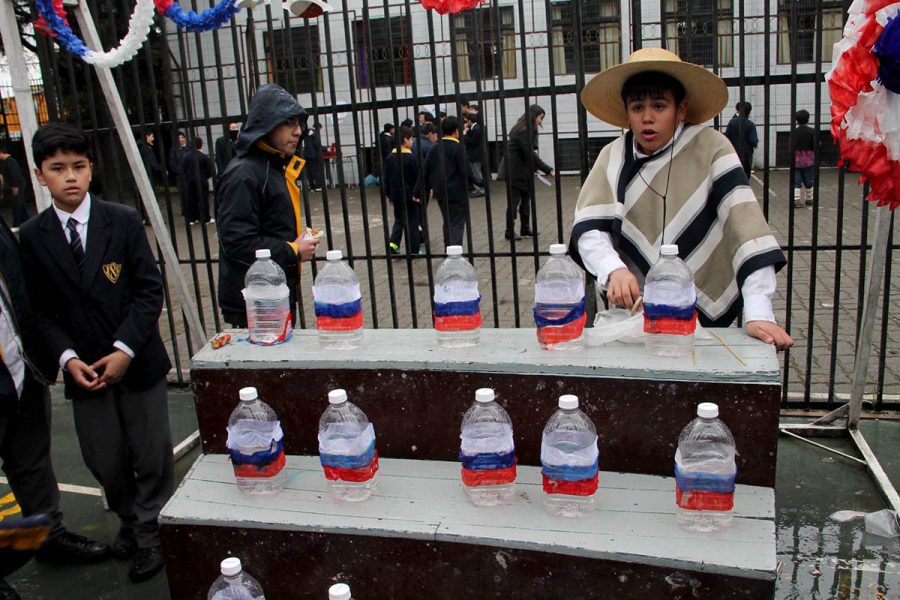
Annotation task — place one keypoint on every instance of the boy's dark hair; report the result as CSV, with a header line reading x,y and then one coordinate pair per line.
x,y
198,143
406,123
428,128
802,117
403,134
179,134
652,84
743,108
59,136
449,126
388,127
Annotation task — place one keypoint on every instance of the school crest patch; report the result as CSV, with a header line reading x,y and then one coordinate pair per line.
x,y
112,271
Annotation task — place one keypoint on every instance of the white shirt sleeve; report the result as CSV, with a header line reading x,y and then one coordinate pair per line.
x,y
757,293
65,356
598,255
124,348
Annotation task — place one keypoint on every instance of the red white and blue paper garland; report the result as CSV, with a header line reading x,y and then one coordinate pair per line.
x,y
211,18
444,7
864,84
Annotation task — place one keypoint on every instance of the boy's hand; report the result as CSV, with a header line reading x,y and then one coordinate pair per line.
x,y
416,200
113,366
83,375
306,248
552,173
622,288
770,333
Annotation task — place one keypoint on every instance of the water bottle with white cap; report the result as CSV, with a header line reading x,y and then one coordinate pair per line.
x,y
338,304
457,302
559,302
569,460
347,449
339,591
268,301
256,445
487,452
670,314
235,583
705,471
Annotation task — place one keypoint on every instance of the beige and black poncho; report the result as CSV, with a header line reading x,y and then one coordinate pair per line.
x,y
711,213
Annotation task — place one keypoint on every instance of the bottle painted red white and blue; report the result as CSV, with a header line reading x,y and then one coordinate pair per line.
x,y
570,460
559,302
457,302
256,445
338,304
487,452
705,472
670,298
347,449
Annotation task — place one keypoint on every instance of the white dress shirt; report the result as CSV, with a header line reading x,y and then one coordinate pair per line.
x,y
10,342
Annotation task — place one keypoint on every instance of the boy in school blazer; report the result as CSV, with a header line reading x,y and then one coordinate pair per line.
x,y
97,297
446,173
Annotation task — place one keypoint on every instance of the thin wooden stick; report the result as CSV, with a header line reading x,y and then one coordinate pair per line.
x,y
636,306
727,347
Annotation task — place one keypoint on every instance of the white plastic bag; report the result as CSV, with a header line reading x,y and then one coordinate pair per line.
x,y
616,324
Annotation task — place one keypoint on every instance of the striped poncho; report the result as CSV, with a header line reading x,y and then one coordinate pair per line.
x,y
711,213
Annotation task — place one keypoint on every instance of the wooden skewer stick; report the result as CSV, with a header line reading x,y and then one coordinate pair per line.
x,y
636,306
727,347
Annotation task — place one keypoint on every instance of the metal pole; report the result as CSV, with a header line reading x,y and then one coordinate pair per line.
x,y
864,344
145,187
28,122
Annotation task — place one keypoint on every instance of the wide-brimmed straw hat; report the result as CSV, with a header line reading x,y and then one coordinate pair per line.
x,y
705,92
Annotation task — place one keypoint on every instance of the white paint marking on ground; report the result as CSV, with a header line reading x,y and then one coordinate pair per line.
x,y
759,181
70,488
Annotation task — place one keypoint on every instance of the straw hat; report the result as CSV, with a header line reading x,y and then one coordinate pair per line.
x,y
705,92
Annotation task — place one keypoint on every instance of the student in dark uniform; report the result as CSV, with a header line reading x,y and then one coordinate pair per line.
x,y
446,172
97,296
197,168
15,183
25,427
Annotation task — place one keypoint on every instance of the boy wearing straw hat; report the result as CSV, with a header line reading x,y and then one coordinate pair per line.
x,y
671,180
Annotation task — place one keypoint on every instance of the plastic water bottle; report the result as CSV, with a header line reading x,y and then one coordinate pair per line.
x,y
256,444
268,301
487,452
338,304
457,310
705,472
559,302
235,584
670,314
347,449
569,460
339,591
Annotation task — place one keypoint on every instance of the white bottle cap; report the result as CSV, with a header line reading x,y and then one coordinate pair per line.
x,y
454,250
334,255
557,249
337,396
568,401
248,393
484,395
231,565
339,591
707,410
668,250
263,253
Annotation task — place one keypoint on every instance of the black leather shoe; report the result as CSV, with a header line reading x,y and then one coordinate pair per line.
x,y
510,237
527,233
147,563
71,548
125,545
7,592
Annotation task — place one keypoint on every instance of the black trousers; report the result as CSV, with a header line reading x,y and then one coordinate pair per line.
x,y
315,172
19,210
518,200
407,217
126,444
25,452
197,201
454,213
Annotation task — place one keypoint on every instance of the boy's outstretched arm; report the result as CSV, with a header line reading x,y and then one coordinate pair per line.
x,y
770,333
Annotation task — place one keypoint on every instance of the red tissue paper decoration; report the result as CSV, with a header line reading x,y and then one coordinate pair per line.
x,y
444,7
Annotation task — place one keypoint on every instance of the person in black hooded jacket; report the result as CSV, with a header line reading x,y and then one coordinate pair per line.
x,y
258,200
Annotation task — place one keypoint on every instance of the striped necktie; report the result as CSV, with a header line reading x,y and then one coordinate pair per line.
x,y
75,243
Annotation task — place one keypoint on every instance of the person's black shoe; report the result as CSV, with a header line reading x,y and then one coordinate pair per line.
x,y
527,233
147,563
125,545
71,548
508,236
7,592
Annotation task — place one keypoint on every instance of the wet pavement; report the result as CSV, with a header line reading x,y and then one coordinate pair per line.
x,y
818,559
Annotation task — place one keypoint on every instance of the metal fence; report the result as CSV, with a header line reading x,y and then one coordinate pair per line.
x,y
369,63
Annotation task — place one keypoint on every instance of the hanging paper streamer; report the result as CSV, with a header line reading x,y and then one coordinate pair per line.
x,y
444,7
42,25
865,99
138,30
211,18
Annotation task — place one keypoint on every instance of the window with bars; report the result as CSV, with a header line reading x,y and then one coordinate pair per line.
x,y
485,47
289,62
600,38
381,51
798,29
701,31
